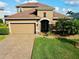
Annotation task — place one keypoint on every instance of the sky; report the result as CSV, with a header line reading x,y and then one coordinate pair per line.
x,y
61,6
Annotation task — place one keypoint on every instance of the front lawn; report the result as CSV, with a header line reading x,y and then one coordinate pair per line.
x,y
45,48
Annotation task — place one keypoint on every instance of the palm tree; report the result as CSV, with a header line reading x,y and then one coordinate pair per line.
x,y
73,14
70,13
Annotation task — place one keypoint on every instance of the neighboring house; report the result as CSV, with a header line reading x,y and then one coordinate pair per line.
x,y
32,17
75,15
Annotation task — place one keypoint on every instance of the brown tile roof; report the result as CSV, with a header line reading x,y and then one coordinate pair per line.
x,y
57,15
29,15
45,8
23,15
31,4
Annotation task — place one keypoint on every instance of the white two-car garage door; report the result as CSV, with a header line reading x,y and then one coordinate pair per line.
x,y
22,28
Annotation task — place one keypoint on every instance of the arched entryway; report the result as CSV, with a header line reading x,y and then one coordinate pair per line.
x,y
44,26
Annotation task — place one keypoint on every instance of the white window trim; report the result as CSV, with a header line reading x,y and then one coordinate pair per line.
x,y
10,28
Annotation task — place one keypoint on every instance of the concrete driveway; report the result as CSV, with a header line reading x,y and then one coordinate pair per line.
x,y
17,46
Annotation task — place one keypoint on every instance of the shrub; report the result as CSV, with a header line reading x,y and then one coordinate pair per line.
x,y
4,31
49,33
67,27
3,25
1,21
76,22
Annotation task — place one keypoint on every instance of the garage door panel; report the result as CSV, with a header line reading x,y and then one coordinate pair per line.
x,y
22,28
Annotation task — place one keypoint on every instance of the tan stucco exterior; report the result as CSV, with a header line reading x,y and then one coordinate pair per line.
x,y
48,15
26,9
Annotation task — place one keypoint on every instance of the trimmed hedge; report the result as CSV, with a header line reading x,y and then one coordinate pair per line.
x,y
4,31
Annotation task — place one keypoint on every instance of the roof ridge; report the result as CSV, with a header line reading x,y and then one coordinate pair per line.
x,y
37,4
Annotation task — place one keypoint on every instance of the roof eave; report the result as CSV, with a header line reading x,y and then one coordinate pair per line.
x,y
26,6
24,18
62,18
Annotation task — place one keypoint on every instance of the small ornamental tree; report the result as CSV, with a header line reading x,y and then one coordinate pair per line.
x,y
67,27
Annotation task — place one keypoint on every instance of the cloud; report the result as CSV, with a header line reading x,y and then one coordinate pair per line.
x,y
25,1
18,0
5,12
72,2
8,12
32,1
57,8
3,4
62,10
65,10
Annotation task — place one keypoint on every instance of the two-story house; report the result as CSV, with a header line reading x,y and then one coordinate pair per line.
x,y
32,17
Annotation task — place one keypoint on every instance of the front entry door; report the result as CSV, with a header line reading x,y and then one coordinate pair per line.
x,y
44,26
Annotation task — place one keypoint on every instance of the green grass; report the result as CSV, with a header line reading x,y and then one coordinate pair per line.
x,y
45,48
2,37
3,25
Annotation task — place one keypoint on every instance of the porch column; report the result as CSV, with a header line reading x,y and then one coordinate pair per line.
x,y
38,27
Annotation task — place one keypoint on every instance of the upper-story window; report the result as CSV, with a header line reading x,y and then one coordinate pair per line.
x,y
19,9
44,14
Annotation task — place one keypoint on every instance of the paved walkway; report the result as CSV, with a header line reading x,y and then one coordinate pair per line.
x,y
17,47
